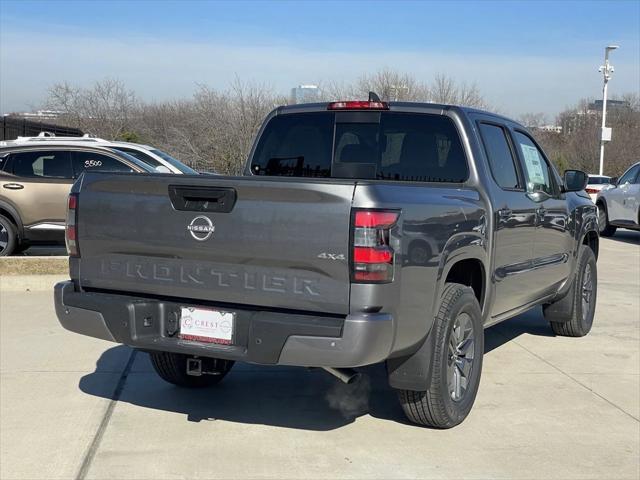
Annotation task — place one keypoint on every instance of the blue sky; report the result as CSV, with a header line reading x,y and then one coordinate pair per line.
x,y
525,56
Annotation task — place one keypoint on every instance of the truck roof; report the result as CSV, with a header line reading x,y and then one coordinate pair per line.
x,y
397,106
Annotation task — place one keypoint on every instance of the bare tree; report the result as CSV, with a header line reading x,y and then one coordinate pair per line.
x,y
577,146
444,89
106,108
533,120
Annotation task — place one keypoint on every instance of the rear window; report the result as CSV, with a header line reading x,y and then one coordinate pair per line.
x,y
599,180
371,145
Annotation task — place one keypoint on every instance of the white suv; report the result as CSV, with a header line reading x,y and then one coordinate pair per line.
x,y
619,203
161,161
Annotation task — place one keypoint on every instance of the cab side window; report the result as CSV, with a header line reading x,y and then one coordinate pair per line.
x,y
500,157
538,174
42,164
96,162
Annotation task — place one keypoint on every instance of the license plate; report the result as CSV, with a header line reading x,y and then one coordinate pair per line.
x,y
204,325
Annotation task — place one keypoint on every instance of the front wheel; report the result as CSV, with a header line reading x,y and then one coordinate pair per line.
x,y
572,316
606,229
456,363
8,237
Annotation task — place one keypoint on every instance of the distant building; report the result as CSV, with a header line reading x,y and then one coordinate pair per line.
x,y
591,116
305,94
596,106
551,128
37,115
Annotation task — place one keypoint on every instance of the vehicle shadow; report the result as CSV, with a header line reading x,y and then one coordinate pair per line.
x,y
288,397
626,236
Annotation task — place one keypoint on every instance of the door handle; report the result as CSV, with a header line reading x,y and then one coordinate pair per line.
x,y
13,186
541,211
505,213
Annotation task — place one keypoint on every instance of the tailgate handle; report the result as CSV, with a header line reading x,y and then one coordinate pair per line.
x,y
202,199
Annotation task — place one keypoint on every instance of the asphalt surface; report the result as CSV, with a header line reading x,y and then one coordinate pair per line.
x,y
548,407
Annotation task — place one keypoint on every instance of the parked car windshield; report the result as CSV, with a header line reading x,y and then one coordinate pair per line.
x,y
175,162
358,144
143,165
143,157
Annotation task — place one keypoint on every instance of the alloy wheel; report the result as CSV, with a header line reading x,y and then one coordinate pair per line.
x,y
460,358
4,238
587,290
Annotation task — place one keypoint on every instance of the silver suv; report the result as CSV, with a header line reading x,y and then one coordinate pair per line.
x,y
619,204
161,161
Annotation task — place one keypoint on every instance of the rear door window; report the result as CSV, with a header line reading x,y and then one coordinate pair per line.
x,y
500,157
42,164
97,162
384,145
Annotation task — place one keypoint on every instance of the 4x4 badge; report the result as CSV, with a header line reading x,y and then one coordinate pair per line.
x,y
201,228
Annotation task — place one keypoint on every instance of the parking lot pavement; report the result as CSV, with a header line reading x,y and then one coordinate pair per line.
x,y
548,407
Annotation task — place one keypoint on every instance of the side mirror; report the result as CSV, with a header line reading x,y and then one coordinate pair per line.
x,y
162,169
575,180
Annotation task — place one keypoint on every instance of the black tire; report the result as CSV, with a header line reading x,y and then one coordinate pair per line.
x,y
8,237
572,316
172,367
436,407
606,229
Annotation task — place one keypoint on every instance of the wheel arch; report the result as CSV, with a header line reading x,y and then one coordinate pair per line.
x,y
592,240
589,233
7,210
465,260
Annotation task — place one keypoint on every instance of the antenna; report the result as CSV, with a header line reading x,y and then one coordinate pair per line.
x,y
373,97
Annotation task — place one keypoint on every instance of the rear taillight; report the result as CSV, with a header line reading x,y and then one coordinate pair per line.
x,y
372,258
358,105
592,190
71,232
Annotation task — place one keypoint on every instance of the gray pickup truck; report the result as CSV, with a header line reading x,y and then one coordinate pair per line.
x,y
361,232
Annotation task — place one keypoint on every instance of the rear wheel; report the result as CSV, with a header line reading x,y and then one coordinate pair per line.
x,y
8,237
172,367
456,363
606,230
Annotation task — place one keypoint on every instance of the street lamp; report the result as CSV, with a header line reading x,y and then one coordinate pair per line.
x,y
605,133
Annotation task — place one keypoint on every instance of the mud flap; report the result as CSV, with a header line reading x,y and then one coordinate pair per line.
x,y
561,310
413,372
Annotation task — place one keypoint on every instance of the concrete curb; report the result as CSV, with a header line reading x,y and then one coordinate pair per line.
x,y
10,266
30,283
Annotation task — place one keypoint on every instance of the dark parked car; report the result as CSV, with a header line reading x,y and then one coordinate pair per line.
x,y
361,232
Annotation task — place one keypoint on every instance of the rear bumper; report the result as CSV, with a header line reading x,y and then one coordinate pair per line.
x,y
264,337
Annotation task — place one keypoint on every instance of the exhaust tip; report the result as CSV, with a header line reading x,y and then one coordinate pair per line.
x,y
355,378
346,375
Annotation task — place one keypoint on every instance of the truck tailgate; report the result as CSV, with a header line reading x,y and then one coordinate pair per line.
x,y
262,242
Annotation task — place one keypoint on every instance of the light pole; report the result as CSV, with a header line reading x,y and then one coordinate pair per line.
x,y
605,133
